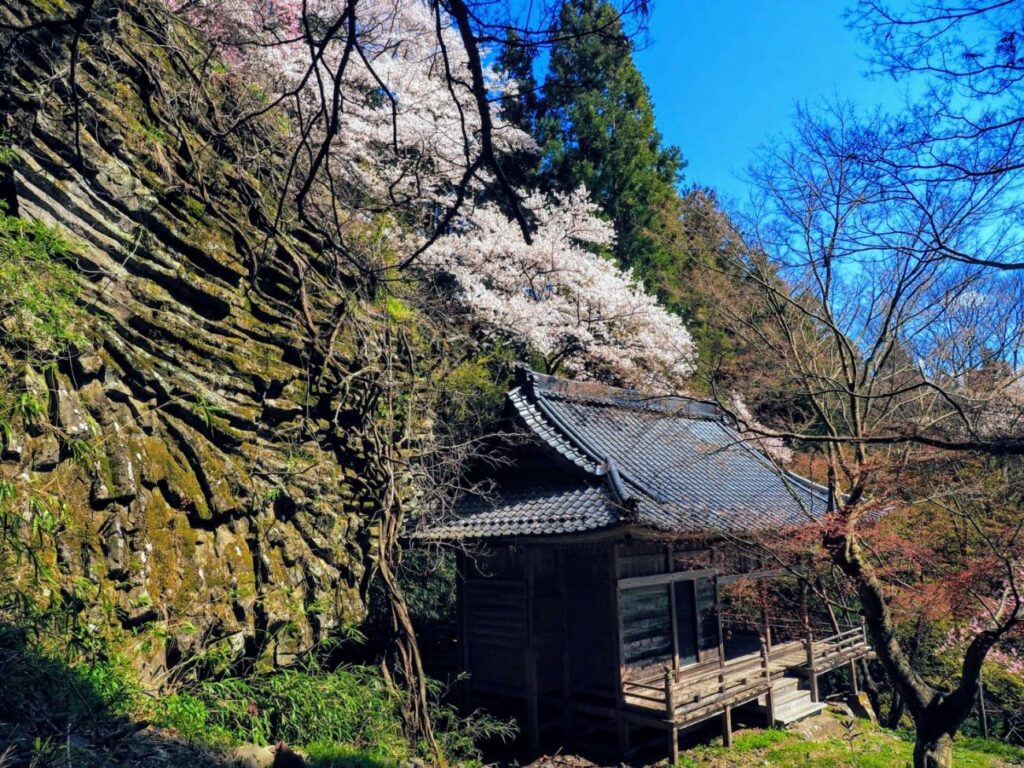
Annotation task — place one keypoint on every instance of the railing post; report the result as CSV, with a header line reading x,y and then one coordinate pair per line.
x,y
670,695
812,675
769,696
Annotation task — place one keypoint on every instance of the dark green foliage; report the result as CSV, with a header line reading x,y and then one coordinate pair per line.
x,y
348,716
598,131
350,706
521,109
49,697
88,706
57,713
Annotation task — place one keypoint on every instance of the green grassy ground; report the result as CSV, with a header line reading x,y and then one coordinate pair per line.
x,y
840,746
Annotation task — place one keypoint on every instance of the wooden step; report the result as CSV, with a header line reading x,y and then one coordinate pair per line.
x,y
784,697
785,685
798,709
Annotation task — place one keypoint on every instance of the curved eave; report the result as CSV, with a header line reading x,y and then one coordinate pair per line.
x,y
540,425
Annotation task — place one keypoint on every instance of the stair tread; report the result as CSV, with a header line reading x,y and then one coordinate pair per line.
x,y
786,681
792,714
781,699
791,683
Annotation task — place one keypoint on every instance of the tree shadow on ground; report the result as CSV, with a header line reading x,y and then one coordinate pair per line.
x,y
52,714
55,715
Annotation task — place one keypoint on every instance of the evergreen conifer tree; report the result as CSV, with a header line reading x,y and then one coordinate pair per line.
x,y
597,129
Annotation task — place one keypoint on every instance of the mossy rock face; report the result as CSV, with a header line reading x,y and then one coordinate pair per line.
x,y
200,491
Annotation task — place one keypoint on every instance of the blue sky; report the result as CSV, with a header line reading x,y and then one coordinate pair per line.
x,y
726,74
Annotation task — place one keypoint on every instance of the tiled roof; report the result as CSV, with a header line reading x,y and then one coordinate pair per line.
x,y
536,509
665,463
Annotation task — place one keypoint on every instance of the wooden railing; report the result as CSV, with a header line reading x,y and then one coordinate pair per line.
x,y
822,636
780,629
695,692
683,695
821,653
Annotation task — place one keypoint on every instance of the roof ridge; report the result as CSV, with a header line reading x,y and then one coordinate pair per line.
x,y
543,385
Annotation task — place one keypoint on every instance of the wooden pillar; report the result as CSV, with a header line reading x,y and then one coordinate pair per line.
x,y
620,662
854,687
462,566
530,656
669,565
727,727
769,696
812,675
567,702
623,728
672,623
718,620
670,715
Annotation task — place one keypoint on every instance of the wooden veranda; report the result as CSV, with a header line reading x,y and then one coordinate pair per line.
x,y
679,698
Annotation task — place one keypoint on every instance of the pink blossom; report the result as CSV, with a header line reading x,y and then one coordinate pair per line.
x,y
408,132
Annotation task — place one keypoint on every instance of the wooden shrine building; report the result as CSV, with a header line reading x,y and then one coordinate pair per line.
x,y
591,577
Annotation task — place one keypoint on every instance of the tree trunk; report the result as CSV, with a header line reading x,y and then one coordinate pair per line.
x,y
933,751
408,661
897,708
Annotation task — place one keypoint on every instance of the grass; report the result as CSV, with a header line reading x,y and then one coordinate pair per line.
x,y
862,746
55,711
349,707
344,717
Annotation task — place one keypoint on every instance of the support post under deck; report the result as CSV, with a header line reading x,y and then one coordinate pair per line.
x,y
670,716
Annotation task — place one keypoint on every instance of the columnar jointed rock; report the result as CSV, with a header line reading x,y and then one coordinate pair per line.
x,y
211,489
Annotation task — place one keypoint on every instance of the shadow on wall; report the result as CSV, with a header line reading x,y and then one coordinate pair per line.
x,y
54,716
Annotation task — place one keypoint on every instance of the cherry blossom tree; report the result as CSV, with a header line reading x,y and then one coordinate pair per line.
x,y
573,306
389,137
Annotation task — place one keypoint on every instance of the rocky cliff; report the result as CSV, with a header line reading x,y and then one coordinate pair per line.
x,y
210,473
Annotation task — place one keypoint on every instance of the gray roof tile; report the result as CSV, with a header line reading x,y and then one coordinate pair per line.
x,y
666,463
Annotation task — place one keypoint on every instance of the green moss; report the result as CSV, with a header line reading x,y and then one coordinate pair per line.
x,y
398,310
196,208
39,310
161,466
159,519
155,134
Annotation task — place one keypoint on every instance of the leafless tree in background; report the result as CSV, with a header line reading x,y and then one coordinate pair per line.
x,y
896,360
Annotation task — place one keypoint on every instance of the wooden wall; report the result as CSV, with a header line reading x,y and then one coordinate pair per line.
x,y
493,622
592,621
541,627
